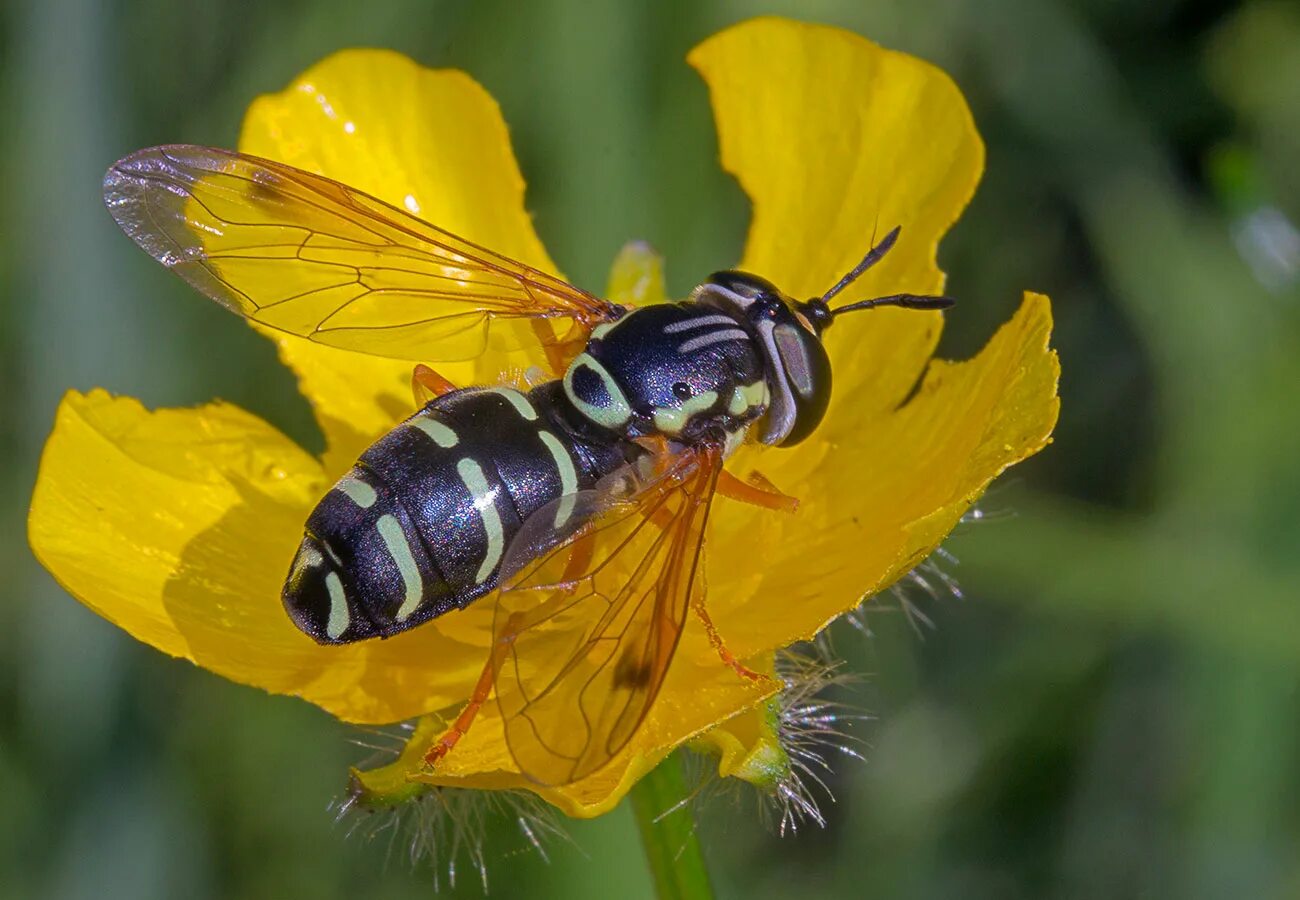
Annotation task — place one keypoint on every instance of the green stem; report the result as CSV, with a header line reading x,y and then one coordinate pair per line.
x,y
671,846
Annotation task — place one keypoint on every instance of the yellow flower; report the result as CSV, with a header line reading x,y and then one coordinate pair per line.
x,y
179,524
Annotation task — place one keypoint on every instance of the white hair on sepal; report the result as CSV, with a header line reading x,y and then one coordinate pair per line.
x,y
812,729
441,827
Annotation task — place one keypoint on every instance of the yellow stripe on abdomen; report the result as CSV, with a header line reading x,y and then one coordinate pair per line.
x,y
398,547
485,502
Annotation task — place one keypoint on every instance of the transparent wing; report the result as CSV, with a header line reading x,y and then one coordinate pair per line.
x,y
306,255
588,628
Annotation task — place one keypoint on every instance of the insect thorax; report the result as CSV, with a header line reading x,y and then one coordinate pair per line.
x,y
679,370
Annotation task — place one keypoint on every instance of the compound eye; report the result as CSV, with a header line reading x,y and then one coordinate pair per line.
x,y
803,390
794,357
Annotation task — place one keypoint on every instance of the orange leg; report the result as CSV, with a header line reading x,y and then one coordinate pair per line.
x,y
579,557
427,384
482,690
716,640
757,492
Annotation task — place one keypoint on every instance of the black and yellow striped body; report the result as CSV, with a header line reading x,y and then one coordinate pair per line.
x,y
420,524
423,522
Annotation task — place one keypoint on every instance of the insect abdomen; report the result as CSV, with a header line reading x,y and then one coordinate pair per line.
x,y
421,523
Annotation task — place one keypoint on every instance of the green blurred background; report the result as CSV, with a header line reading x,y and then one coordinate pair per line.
x,y
1112,711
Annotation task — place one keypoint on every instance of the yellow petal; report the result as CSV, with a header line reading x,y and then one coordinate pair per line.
x,y
837,140
179,525
430,141
889,488
698,693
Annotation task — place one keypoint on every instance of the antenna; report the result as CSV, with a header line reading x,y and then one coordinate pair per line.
x,y
874,255
907,301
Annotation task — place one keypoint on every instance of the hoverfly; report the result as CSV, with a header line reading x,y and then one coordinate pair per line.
x,y
582,503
